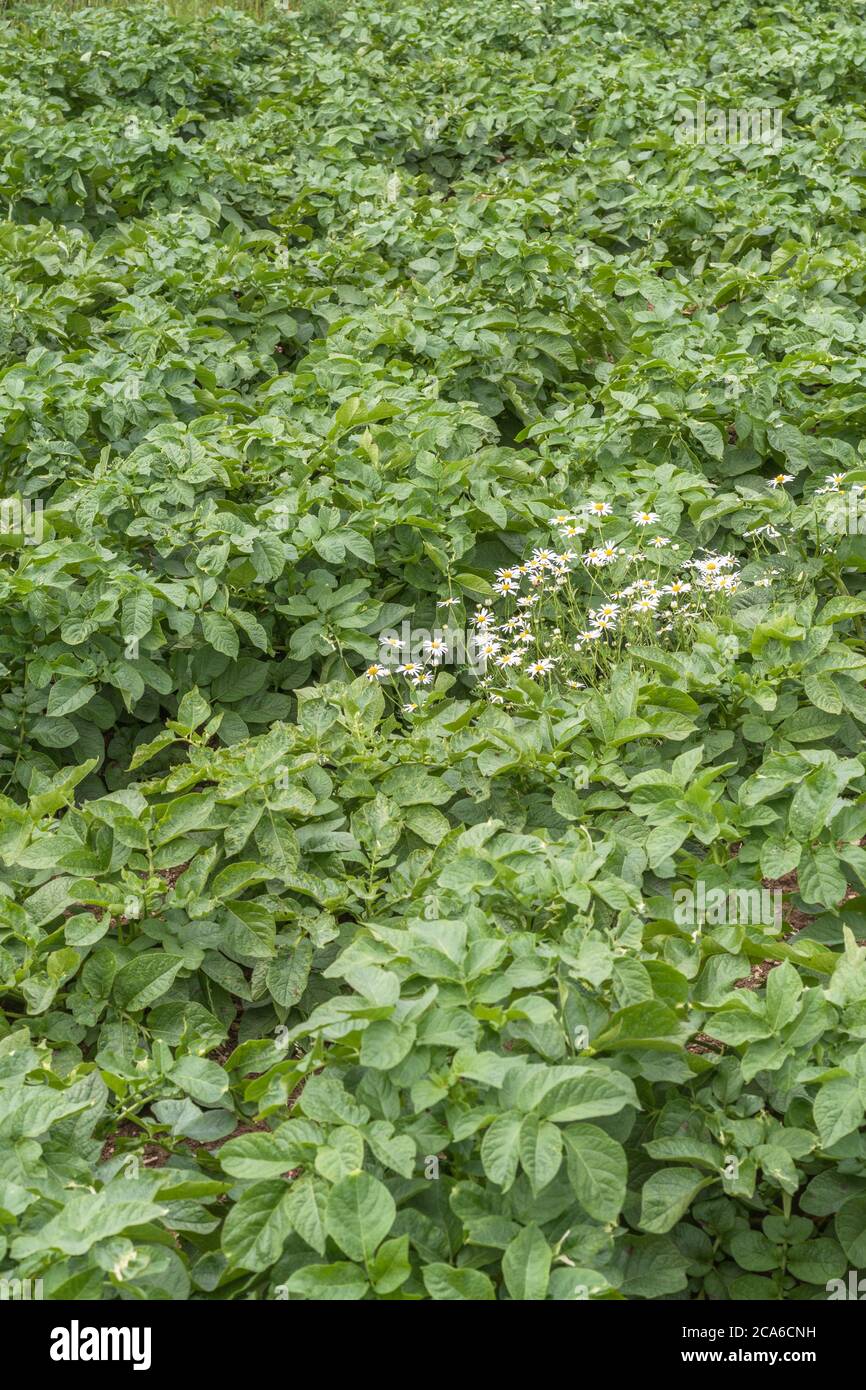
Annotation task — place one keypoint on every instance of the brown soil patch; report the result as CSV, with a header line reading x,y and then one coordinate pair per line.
x,y
795,920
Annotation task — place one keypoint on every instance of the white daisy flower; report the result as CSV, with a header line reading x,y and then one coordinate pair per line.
x,y
780,480
436,649
410,668
544,558
375,672
509,659
489,648
644,518
599,508
543,667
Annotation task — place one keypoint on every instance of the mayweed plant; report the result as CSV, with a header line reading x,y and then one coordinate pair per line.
x,y
571,610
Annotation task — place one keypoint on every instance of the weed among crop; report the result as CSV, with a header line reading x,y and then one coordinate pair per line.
x,y
574,614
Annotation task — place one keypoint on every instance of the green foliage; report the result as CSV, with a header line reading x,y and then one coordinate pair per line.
x,y
318,984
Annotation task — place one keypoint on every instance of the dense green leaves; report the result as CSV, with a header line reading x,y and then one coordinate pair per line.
x,y
432,791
